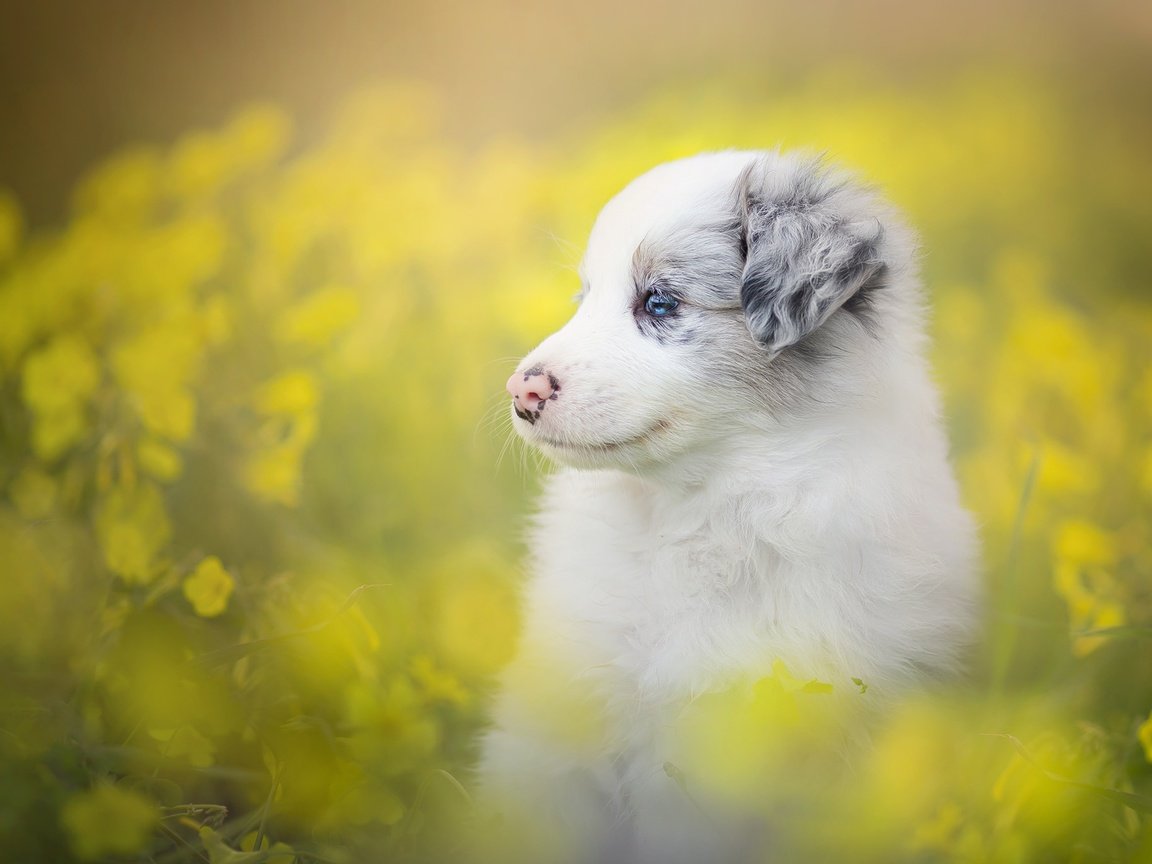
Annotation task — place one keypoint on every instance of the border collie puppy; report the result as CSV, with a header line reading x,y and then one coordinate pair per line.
x,y
754,484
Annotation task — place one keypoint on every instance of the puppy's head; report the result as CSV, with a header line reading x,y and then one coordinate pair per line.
x,y
712,288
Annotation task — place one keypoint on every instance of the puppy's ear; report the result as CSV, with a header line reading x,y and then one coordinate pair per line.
x,y
803,256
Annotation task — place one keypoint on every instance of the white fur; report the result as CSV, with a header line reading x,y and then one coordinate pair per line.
x,y
762,507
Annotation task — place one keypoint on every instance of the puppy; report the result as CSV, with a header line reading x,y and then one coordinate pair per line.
x,y
755,486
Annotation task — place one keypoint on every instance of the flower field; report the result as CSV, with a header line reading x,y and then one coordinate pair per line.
x,y
260,516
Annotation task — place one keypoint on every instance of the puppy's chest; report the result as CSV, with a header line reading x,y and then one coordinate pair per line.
x,y
666,611
698,616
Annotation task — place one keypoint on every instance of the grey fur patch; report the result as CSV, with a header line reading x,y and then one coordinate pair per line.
x,y
807,254
698,262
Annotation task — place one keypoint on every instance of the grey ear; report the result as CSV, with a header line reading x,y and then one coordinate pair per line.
x,y
805,257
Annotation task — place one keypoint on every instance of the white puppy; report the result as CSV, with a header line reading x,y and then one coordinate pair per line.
x,y
756,475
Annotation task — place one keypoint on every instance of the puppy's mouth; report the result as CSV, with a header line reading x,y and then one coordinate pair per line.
x,y
657,428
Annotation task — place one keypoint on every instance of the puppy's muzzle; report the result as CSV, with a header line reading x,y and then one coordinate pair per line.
x,y
531,391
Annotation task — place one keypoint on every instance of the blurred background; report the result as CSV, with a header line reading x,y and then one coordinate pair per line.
x,y
264,267
78,81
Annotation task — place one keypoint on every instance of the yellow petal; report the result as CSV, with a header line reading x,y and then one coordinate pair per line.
x,y
209,588
108,820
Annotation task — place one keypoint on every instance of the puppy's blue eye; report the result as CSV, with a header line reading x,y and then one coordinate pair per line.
x,y
660,305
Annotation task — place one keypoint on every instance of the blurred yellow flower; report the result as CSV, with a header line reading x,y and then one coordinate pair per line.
x,y
320,316
1061,471
782,676
393,731
292,393
365,802
200,166
108,820
158,459
1145,735
938,834
1023,792
124,188
437,684
155,368
1085,555
59,379
185,253
1084,543
273,472
476,624
132,527
56,433
186,743
1092,604
732,741
11,226
209,587
289,400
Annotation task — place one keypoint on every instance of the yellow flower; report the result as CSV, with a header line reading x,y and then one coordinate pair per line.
x,y
1062,471
1092,604
132,526
273,473
200,165
783,677
1083,543
939,832
125,187
185,742
294,392
315,320
393,730
156,367
1145,735
371,802
170,414
289,400
476,623
158,459
59,379
436,684
730,740
11,226
1105,614
108,820
54,434
209,588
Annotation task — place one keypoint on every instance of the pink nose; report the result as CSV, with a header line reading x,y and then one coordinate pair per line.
x,y
531,389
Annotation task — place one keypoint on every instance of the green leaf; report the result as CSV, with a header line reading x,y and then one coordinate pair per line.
x,y
232,653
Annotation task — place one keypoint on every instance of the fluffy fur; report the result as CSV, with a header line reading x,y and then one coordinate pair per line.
x,y
758,476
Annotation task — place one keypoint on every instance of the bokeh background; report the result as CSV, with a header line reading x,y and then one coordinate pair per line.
x,y
264,267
